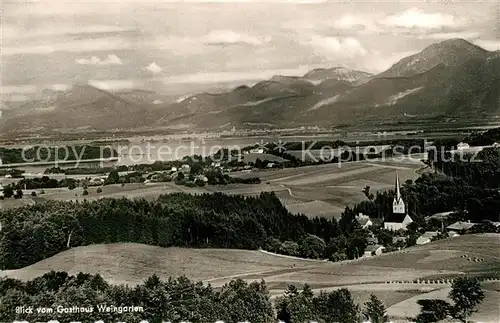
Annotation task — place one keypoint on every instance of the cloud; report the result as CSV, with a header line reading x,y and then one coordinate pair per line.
x,y
229,37
449,35
114,84
338,46
356,23
491,45
86,45
153,68
94,60
15,33
417,18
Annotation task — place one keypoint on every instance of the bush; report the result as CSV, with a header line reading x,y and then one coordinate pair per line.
x,y
33,193
85,192
99,190
200,183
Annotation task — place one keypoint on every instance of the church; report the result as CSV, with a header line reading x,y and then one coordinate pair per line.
x,y
399,215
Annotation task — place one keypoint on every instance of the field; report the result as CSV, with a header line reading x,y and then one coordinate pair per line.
x,y
326,190
388,276
323,190
130,263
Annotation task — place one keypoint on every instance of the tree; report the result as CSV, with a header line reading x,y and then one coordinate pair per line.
x,y
19,193
312,247
467,294
99,190
259,163
375,310
85,192
8,191
367,193
433,310
113,177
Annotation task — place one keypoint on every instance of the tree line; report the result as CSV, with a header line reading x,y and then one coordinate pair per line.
x,y
52,154
180,299
35,232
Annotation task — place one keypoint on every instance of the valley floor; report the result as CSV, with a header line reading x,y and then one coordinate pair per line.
x,y
322,190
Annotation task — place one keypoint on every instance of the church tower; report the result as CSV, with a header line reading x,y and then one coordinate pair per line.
x,y
398,206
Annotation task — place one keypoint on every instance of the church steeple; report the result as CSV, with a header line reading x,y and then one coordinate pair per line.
x,y
398,190
398,206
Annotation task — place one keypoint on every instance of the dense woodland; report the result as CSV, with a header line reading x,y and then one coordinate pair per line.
x,y
179,299
32,233
481,170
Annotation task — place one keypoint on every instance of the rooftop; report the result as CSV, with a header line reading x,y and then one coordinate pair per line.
x,y
460,225
374,247
429,234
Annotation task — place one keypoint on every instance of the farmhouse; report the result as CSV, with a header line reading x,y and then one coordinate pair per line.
x,y
427,237
257,151
461,227
372,240
373,250
440,216
401,219
364,221
201,178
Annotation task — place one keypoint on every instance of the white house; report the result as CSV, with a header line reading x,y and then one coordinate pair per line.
x,y
427,237
364,221
462,146
461,226
202,178
373,250
399,212
257,151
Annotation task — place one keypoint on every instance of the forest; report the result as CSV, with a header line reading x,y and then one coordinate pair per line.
x,y
177,299
35,232
82,298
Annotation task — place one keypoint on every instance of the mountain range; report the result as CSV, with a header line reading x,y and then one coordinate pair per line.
x,y
453,78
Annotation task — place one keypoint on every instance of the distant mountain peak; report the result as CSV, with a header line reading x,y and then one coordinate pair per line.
x,y
338,73
450,52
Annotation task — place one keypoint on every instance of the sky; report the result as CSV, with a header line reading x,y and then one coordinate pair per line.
x,y
172,46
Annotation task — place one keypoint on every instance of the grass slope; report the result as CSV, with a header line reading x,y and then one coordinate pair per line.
x,y
131,263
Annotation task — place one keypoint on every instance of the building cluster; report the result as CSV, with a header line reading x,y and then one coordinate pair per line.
x,y
400,221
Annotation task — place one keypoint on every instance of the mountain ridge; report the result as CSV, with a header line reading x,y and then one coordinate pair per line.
x,y
452,78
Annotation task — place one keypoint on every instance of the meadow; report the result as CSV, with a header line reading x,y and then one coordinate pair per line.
x,y
392,277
